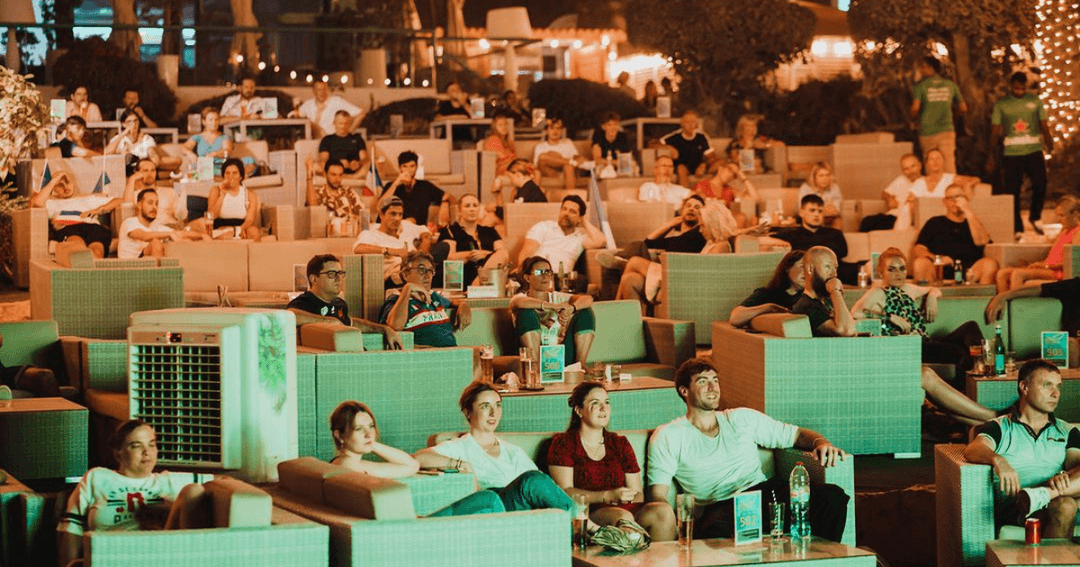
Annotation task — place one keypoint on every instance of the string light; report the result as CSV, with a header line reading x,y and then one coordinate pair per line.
x,y
1057,36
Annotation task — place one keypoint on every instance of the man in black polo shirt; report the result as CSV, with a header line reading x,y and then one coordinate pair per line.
x,y
321,303
1065,291
423,200
822,298
956,235
693,153
343,147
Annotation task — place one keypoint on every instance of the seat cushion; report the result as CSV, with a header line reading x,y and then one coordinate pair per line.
x,y
370,497
305,476
109,404
237,504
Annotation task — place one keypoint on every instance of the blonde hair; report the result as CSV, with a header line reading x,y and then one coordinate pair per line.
x,y
819,166
745,121
718,218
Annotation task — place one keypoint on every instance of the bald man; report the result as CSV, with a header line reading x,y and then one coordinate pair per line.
x,y
822,298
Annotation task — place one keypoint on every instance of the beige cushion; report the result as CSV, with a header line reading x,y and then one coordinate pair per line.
x,y
237,504
331,336
305,476
109,404
370,497
788,325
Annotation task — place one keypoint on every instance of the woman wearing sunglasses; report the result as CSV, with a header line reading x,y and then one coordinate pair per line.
x,y
545,317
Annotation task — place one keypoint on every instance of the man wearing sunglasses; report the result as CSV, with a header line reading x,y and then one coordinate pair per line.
x,y
430,316
321,303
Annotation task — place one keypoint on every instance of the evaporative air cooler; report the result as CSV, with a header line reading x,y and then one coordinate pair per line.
x,y
219,387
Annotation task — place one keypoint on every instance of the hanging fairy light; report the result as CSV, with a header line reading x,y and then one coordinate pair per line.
x,y
1059,43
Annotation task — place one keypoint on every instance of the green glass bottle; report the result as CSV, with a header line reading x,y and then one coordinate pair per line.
x,y
999,351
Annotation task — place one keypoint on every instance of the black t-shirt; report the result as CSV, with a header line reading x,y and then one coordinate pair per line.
x,y
342,148
486,237
802,239
608,149
1068,293
447,108
692,151
950,238
66,147
423,195
763,295
690,242
530,193
817,311
311,303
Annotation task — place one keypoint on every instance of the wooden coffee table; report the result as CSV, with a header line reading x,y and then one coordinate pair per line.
x,y
716,552
1004,552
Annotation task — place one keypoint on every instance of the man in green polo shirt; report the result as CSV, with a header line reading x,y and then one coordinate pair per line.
x,y
933,108
1035,456
1021,119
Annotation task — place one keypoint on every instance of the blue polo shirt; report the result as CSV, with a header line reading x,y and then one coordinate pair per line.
x,y
1036,456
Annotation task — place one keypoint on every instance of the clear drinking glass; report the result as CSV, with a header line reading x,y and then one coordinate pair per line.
x,y
777,517
684,515
581,517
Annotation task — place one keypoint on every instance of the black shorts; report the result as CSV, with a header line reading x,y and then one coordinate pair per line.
x,y
218,223
88,232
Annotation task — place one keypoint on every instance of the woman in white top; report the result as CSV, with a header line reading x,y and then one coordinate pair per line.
x,y
79,105
641,277
132,141
821,184
132,497
231,204
356,434
502,467
937,180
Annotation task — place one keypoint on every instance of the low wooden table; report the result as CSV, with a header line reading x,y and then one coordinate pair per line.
x,y
1007,552
716,552
43,438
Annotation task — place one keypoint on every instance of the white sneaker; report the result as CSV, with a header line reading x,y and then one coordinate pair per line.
x,y
587,165
1031,500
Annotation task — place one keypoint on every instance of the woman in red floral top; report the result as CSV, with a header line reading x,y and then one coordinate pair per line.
x,y
590,460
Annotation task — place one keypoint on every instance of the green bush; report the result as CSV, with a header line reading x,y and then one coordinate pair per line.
x,y
581,103
418,114
105,72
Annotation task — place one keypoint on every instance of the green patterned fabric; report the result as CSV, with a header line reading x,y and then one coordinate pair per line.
x,y
632,409
105,365
965,508
1000,392
1028,318
36,444
307,428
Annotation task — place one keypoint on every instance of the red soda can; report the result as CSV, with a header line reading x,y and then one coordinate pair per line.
x,y
1032,532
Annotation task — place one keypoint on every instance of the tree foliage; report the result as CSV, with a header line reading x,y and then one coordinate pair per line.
x,y
721,49
581,104
978,35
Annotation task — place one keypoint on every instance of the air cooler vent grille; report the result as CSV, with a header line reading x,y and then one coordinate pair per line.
x,y
177,388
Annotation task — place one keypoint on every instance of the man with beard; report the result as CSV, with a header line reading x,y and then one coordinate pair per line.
x,y
680,234
812,231
394,238
561,241
713,454
822,298
144,234
340,201
243,105
424,203
1035,456
957,235
322,303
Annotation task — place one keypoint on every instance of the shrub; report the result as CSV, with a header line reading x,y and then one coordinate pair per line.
x,y
418,114
581,103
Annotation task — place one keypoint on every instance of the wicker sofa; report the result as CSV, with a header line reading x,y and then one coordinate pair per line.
x,y
373,522
645,346
773,462
863,393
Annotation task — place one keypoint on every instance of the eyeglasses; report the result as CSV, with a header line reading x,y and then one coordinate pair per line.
x,y
334,274
423,271
542,272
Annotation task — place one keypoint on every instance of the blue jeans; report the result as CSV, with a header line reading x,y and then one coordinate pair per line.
x,y
482,502
534,490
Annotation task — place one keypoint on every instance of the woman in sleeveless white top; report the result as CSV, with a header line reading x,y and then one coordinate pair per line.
x,y
231,204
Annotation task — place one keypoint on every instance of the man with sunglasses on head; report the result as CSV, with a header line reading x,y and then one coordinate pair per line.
x,y
430,316
322,303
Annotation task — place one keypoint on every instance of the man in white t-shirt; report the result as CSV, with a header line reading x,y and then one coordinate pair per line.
x,y
663,186
557,155
243,105
898,196
144,234
73,221
321,110
394,238
713,455
561,241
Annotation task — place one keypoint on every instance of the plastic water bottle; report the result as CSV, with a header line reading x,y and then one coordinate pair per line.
x,y
799,481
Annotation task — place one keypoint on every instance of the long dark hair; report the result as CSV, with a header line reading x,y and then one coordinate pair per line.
x,y
343,418
577,401
780,279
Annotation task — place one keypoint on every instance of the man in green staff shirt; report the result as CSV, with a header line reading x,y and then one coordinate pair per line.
x,y
932,107
1020,119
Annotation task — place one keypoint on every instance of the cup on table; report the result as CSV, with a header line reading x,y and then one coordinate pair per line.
x,y
988,353
580,522
1010,362
684,516
612,372
777,517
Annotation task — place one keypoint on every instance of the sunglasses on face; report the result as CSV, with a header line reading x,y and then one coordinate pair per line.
x,y
542,272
